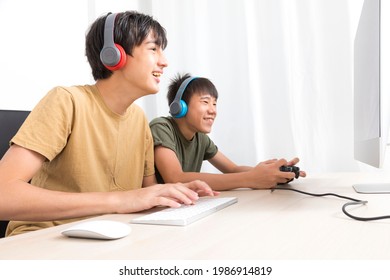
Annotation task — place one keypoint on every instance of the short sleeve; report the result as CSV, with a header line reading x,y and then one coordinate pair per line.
x,y
211,149
163,134
49,124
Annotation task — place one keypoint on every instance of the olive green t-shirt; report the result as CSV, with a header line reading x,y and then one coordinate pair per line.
x,y
191,154
88,147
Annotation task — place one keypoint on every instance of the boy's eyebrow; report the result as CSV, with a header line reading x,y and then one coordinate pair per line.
x,y
207,96
154,42
151,41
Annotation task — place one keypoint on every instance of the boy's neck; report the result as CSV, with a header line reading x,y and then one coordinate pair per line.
x,y
184,128
115,97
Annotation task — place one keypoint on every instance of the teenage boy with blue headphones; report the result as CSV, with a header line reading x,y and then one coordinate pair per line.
x,y
88,150
181,143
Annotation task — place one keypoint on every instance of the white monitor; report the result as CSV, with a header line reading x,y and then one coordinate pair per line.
x,y
370,93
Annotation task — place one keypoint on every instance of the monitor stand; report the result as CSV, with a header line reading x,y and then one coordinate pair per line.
x,y
372,188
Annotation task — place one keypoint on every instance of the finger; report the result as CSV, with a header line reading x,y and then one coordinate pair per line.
x,y
294,161
163,201
283,175
270,161
281,162
182,193
284,180
200,187
213,193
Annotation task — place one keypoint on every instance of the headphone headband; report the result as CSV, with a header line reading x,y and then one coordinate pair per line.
x,y
109,30
112,55
183,87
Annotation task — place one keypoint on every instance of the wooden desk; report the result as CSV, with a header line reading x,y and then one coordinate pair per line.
x,y
262,225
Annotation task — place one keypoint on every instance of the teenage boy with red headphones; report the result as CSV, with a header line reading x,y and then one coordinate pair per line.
x,y
88,150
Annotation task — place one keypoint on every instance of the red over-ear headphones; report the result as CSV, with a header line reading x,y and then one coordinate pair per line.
x,y
112,55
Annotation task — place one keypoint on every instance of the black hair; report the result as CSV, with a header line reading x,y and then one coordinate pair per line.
x,y
130,29
196,86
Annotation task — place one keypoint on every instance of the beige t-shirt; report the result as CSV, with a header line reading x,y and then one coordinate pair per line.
x,y
88,147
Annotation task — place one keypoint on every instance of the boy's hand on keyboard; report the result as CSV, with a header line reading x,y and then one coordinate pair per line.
x,y
171,195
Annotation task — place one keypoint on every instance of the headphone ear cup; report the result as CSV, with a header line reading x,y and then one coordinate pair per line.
x,y
183,111
122,59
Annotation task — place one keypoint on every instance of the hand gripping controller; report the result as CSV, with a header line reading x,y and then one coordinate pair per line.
x,y
290,168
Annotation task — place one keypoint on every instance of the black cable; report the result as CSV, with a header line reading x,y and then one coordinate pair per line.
x,y
362,218
354,202
316,194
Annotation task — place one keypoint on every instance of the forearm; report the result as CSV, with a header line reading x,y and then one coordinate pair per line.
x,y
21,201
218,182
242,168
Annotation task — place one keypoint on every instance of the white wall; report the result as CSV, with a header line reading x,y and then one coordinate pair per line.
x,y
43,46
38,49
283,68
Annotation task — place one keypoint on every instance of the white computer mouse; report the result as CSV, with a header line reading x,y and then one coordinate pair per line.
x,y
98,229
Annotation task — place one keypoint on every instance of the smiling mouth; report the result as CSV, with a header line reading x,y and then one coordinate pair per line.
x,y
156,74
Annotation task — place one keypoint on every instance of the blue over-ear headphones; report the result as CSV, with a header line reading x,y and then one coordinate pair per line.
x,y
178,108
112,55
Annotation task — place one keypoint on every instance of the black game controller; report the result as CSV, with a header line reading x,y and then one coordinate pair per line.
x,y
290,168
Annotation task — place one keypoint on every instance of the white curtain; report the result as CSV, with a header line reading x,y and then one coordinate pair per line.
x,y
284,71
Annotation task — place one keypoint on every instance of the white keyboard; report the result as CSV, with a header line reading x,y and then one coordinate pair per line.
x,y
186,214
